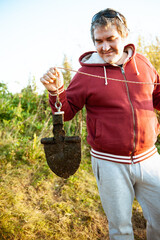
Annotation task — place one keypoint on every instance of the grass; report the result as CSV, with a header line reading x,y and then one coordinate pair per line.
x,y
35,204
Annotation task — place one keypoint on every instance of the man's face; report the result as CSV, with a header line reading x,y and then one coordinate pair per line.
x,y
109,44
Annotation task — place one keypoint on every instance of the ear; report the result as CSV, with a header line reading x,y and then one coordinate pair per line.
x,y
125,37
126,34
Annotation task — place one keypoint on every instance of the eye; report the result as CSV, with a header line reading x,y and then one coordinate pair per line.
x,y
111,39
98,41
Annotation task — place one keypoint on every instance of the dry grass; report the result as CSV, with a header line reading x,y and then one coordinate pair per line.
x,y
37,205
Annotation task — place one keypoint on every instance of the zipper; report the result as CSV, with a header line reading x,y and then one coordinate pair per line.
x,y
133,114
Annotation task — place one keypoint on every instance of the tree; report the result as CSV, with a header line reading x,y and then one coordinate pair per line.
x,y
151,51
153,54
66,74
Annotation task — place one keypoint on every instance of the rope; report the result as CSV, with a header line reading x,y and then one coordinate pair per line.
x,y
57,104
112,79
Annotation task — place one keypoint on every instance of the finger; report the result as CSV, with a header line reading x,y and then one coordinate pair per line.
x,y
47,78
55,71
52,70
51,75
43,81
58,74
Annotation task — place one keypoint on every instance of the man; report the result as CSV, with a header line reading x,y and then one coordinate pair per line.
x,y
121,123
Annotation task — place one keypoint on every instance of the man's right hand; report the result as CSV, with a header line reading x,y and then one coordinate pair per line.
x,y
52,79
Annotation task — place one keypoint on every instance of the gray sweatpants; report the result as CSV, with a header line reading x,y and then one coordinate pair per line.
x,y
118,184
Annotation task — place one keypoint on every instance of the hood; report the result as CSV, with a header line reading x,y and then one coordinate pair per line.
x,y
92,58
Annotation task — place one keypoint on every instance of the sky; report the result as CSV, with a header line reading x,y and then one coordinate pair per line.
x,y
36,34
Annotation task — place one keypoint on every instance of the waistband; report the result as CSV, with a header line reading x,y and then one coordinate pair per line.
x,y
124,159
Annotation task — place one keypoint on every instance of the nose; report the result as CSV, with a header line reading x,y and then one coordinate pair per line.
x,y
105,46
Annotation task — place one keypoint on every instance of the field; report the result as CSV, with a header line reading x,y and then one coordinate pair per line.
x,y
35,204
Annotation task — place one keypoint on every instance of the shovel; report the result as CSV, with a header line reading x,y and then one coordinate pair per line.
x,y
63,153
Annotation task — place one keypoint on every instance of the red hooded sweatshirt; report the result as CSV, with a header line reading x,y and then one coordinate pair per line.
x,y
121,122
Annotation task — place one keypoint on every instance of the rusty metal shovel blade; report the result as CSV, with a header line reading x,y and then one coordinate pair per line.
x,y
63,153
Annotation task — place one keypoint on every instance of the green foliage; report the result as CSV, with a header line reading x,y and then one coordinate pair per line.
x,y
34,203
66,74
151,51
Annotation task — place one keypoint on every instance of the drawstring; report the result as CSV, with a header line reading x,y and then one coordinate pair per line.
x,y
105,75
136,66
105,71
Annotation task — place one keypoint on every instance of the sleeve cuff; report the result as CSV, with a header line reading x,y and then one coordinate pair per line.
x,y
54,93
